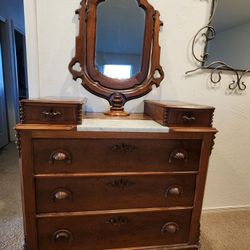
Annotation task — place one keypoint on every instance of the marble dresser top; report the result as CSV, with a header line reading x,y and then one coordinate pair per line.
x,y
123,125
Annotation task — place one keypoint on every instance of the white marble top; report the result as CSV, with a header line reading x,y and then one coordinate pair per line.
x,y
121,126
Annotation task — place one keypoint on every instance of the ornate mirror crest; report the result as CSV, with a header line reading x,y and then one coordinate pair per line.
x,y
207,34
85,63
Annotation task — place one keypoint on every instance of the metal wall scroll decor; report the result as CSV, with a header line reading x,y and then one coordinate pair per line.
x,y
208,33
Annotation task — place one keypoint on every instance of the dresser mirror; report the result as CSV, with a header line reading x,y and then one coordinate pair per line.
x,y
226,42
119,58
117,50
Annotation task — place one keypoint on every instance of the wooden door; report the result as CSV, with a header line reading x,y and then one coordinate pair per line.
x,y
4,138
21,64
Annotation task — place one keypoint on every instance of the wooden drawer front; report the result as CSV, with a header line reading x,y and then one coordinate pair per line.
x,y
102,155
51,113
174,113
114,192
108,231
184,117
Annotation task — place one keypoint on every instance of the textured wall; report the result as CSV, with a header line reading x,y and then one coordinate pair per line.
x,y
228,179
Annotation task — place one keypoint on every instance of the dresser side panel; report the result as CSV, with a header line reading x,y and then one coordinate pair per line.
x,y
206,149
28,191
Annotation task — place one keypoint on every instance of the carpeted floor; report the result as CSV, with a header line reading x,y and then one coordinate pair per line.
x,y
226,230
11,234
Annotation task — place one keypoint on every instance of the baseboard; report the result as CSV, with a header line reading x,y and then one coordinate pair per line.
x,y
226,209
165,247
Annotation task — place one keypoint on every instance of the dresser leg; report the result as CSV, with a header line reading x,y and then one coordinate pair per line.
x,y
25,244
199,236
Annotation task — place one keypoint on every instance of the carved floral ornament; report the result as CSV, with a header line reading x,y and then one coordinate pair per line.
x,y
206,34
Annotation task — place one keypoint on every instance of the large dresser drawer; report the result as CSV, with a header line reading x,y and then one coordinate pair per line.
x,y
113,230
114,192
115,155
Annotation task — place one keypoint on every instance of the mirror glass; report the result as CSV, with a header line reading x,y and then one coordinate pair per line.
x,y
120,26
232,41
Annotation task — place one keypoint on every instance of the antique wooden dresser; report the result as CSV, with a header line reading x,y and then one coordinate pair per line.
x,y
96,190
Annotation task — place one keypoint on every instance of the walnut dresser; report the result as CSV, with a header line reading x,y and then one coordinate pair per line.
x,y
96,190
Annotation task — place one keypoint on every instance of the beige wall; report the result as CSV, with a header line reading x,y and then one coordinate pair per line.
x,y
228,182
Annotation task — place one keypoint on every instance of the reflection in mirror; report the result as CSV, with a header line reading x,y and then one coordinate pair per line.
x,y
120,29
231,43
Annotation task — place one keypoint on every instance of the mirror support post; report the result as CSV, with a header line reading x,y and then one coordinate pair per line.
x,y
117,108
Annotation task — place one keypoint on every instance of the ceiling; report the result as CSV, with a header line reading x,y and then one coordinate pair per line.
x,y
230,13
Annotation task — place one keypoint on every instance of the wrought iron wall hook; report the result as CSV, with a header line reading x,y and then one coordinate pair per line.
x,y
209,32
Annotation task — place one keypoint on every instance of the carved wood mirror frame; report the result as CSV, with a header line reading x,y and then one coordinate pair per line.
x,y
117,92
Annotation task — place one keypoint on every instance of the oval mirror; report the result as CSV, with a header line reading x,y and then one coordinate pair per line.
x,y
119,34
119,43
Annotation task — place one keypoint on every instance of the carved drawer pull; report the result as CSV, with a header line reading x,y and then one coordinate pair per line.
x,y
188,118
170,227
178,154
62,235
174,190
61,194
60,155
51,114
121,183
123,148
118,221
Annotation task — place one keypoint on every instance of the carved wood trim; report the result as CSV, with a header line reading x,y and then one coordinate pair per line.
x,y
118,221
79,114
18,142
165,116
212,119
123,148
121,183
21,112
212,143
